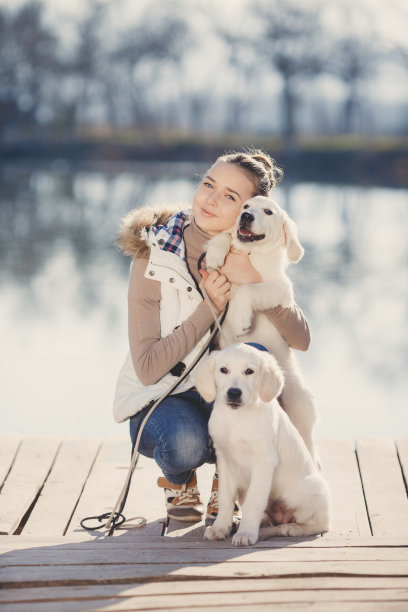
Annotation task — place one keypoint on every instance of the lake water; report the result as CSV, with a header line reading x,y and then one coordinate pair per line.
x,y
63,292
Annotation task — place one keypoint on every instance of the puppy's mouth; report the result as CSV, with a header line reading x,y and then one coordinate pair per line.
x,y
234,405
244,234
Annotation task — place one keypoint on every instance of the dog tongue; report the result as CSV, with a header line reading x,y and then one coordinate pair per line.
x,y
245,231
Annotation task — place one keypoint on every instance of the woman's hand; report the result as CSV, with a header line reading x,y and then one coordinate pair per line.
x,y
239,270
218,289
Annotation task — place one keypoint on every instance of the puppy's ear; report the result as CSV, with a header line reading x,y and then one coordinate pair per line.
x,y
293,246
204,377
271,382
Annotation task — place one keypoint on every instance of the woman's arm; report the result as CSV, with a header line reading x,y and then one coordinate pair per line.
x,y
292,326
153,356
290,322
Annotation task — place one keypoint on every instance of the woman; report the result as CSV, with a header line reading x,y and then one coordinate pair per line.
x,y
169,321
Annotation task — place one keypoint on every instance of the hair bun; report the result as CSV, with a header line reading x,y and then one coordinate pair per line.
x,y
275,173
260,166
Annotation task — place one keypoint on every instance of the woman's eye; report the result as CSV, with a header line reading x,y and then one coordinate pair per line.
x,y
207,185
223,370
248,372
230,197
268,211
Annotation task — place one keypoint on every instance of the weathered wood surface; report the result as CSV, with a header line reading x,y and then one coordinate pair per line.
x,y
340,467
28,472
297,593
384,486
53,565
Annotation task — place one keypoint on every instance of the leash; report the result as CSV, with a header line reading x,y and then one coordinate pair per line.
x,y
116,518
214,314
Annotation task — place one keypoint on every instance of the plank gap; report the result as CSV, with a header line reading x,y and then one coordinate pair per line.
x,y
404,476
82,490
28,584
11,465
364,494
26,516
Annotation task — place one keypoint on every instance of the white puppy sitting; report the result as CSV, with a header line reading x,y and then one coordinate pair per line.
x,y
265,231
261,456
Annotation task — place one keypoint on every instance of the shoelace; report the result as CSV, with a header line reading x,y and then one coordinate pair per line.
x,y
186,496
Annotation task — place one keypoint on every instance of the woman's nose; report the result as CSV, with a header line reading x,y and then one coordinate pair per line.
x,y
212,198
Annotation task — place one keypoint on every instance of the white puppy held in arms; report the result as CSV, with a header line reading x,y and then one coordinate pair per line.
x,y
261,457
265,231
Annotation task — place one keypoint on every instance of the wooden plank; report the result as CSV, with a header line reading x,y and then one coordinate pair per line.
x,y
30,469
192,555
8,449
384,487
105,482
52,512
349,585
341,606
349,515
64,575
402,449
145,500
380,606
99,562
122,598
128,540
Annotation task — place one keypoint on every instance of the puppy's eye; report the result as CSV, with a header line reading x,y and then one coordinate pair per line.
x,y
223,370
268,211
246,206
248,371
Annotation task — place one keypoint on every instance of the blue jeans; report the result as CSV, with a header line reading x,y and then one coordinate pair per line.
x,y
176,435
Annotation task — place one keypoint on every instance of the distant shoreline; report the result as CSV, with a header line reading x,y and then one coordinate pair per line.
x,y
370,162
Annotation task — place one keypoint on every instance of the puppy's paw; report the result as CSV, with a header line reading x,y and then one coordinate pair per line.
x,y
215,257
215,532
245,538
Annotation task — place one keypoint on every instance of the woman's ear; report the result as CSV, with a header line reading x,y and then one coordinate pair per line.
x,y
294,248
271,382
204,377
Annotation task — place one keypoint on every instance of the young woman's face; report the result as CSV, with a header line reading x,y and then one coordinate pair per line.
x,y
220,196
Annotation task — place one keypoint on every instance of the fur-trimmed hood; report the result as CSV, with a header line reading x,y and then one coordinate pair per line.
x,y
131,238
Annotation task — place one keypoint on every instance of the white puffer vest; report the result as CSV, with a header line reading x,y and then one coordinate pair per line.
x,y
179,299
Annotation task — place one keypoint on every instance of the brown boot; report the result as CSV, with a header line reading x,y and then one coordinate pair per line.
x,y
182,501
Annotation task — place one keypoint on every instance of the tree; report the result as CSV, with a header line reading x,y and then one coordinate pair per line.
x,y
27,62
159,38
35,50
354,58
243,62
290,42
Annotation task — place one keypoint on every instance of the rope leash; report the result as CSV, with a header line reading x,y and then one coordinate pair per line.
x,y
116,518
208,301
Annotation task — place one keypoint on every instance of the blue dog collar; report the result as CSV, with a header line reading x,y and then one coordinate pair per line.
x,y
260,347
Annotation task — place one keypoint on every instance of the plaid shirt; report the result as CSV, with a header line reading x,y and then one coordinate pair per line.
x,y
170,236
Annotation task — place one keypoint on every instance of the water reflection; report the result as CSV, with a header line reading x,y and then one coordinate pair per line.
x,y
63,294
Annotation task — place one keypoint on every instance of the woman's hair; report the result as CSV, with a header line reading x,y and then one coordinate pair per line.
x,y
263,171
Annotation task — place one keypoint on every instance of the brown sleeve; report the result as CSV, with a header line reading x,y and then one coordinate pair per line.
x,y
153,356
292,326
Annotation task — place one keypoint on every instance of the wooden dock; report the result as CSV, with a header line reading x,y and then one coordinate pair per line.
x,y
48,563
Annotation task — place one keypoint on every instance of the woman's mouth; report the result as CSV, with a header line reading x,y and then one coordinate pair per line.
x,y
207,213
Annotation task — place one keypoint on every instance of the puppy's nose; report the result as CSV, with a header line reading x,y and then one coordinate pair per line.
x,y
234,394
247,218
